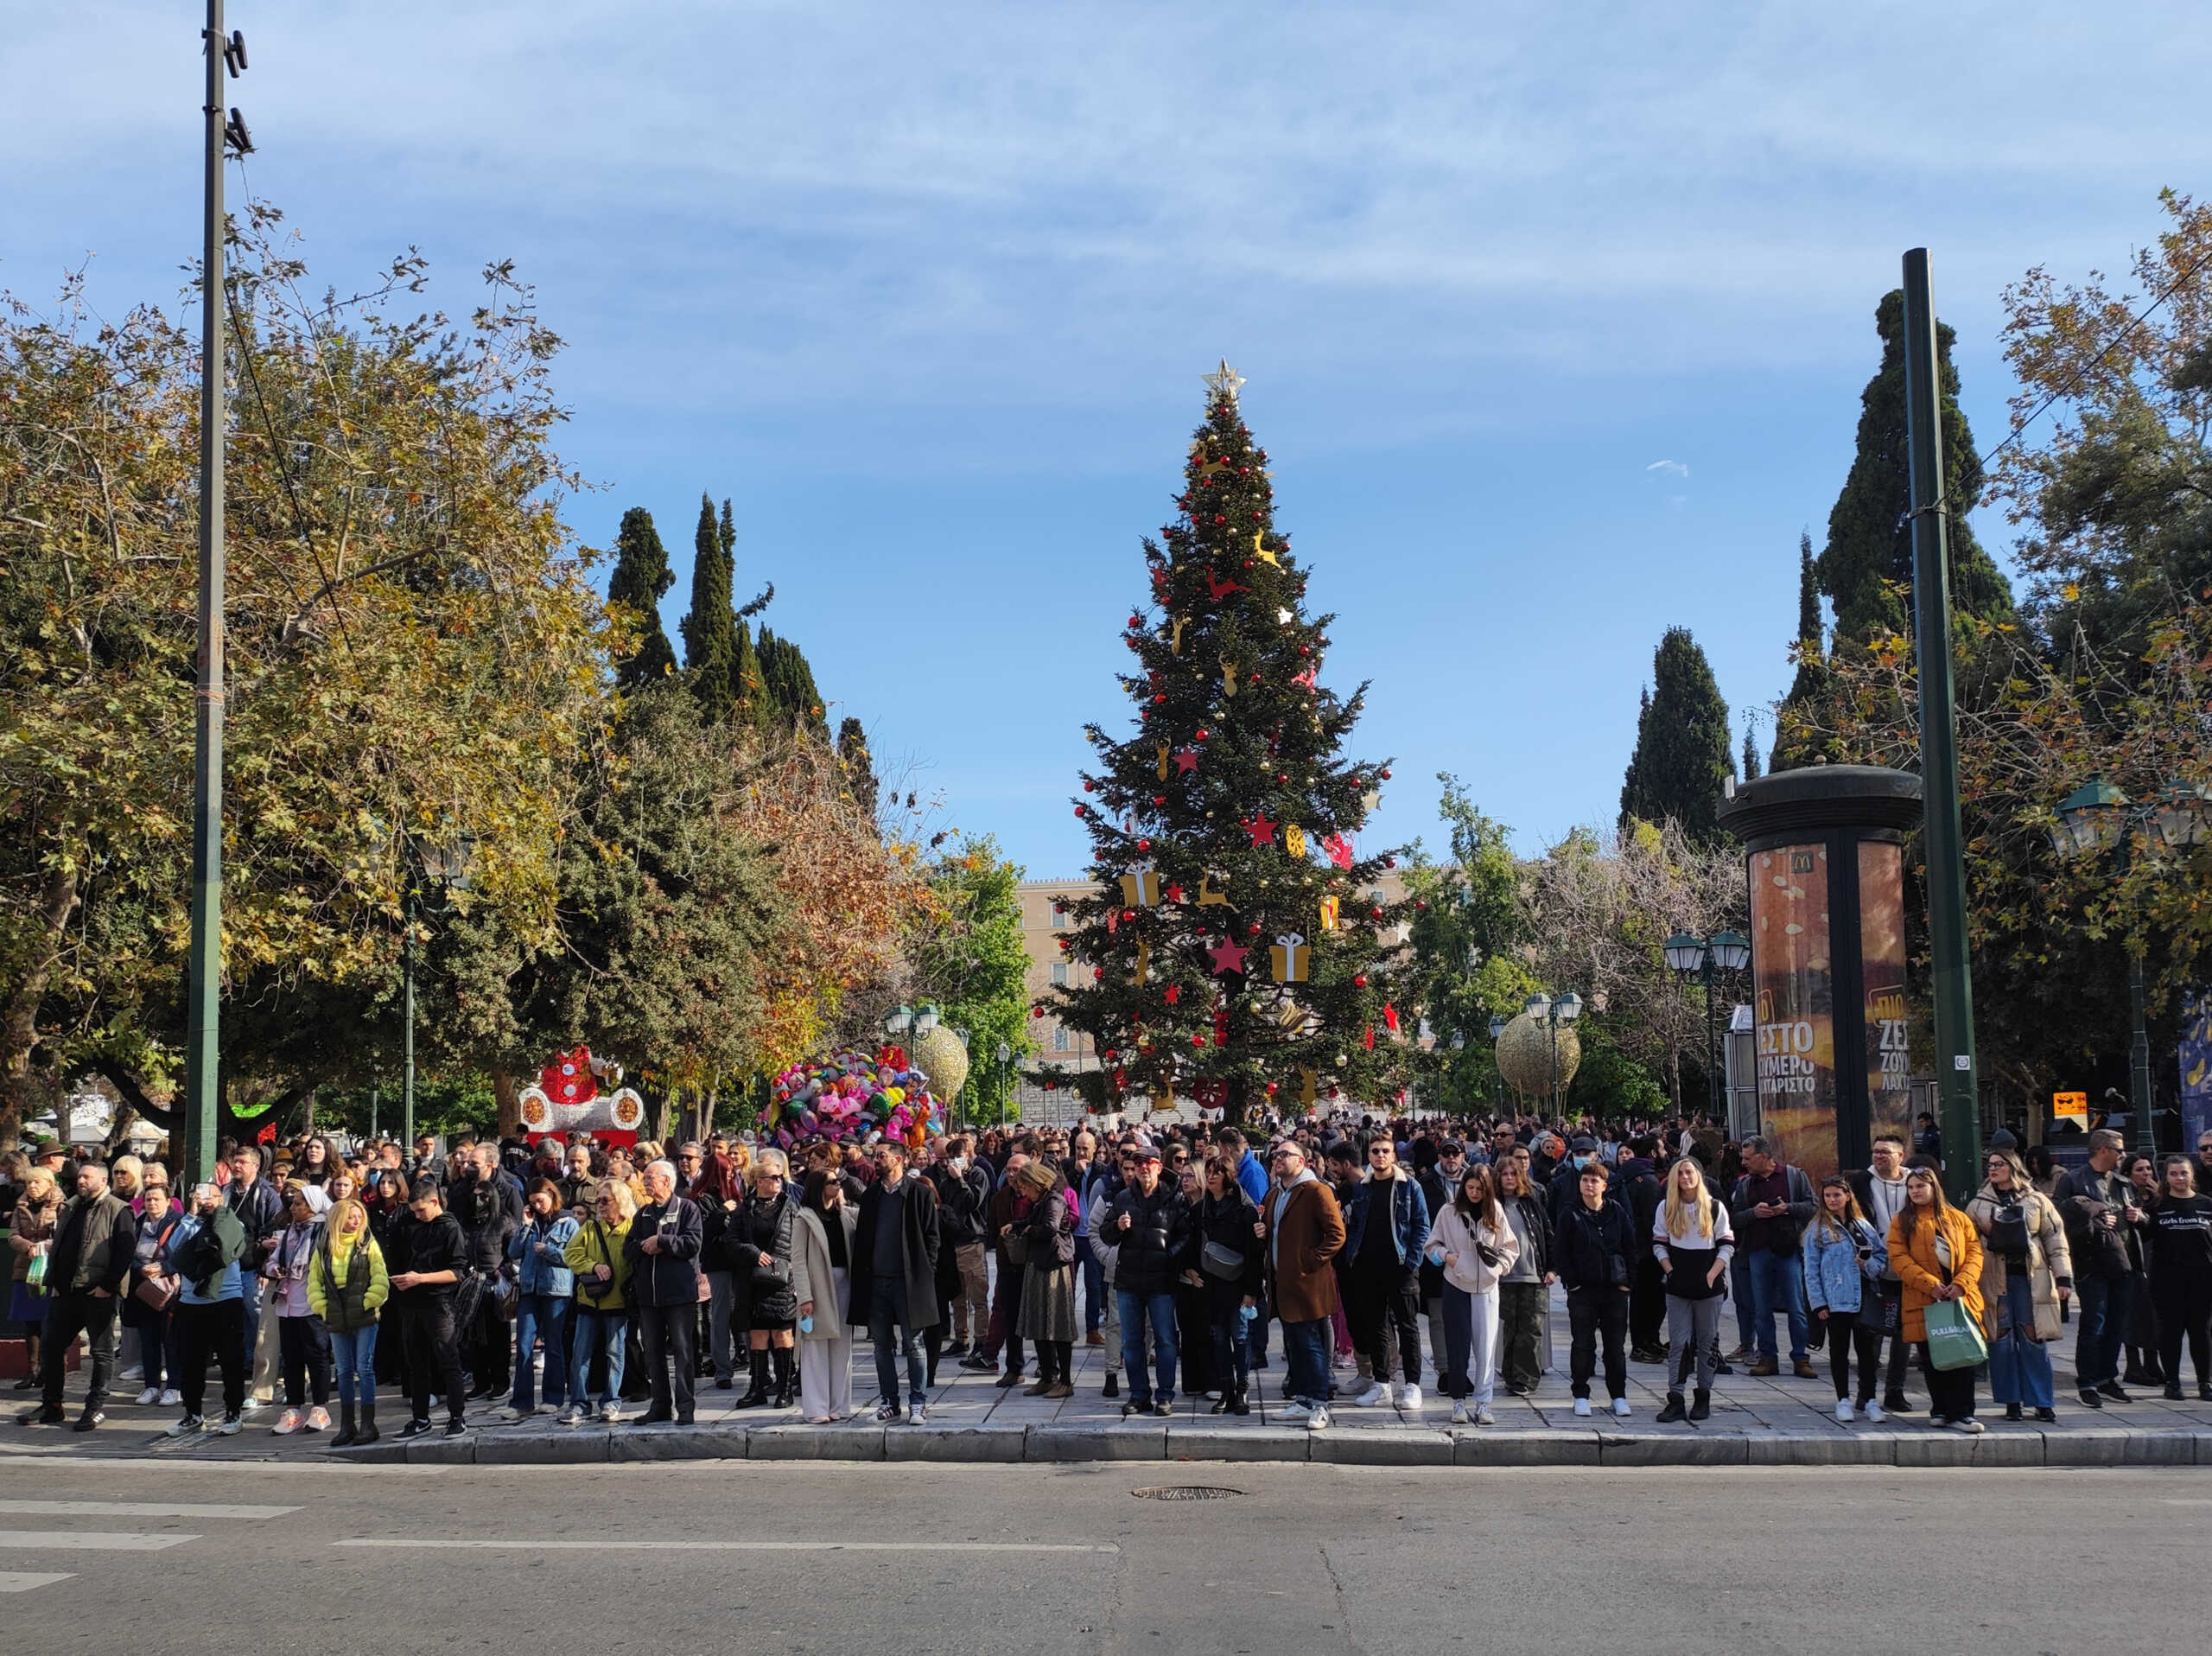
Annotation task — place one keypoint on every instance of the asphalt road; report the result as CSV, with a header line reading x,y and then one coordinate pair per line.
x,y
753,1557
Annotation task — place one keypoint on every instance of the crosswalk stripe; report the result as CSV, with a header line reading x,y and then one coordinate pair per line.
x,y
523,1543
89,1541
137,1509
21,1580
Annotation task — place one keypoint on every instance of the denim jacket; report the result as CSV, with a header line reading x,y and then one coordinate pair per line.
x,y
1409,1215
541,1249
1834,1279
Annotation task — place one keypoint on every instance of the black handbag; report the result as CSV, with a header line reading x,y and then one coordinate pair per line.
x,y
1219,1260
2008,1230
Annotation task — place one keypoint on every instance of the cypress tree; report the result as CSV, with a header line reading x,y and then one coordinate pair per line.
x,y
853,758
1870,539
709,629
640,581
745,692
1682,755
1750,772
787,683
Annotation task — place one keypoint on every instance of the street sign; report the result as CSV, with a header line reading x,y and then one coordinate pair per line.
x,y
2071,1106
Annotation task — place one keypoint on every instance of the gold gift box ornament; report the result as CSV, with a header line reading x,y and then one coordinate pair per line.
x,y
1292,958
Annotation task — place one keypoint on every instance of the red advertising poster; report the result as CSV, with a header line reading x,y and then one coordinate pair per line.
x,y
1795,1004
1881,970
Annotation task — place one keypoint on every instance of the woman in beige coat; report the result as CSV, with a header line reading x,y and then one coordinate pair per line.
x,y
821,1255
2026,1274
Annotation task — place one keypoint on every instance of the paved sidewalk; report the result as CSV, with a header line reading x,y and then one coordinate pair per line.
x,y
1776,1422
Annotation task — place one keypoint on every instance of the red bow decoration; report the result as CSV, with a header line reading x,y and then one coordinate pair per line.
x,y
1339,850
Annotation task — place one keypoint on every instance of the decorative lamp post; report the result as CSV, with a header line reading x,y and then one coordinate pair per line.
x,y
1498,1028
2097,819
1006,1078
1689,955
446,868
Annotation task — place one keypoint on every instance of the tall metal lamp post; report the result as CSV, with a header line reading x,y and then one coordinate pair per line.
x,y
1006,1078
446,868
1705,958
1496,1028
2097,819
1553,1013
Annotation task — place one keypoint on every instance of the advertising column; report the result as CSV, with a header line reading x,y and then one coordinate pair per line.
x,y
1794,1004
1881,976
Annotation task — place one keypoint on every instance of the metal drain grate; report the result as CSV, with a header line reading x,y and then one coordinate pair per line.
x,y
1185,1492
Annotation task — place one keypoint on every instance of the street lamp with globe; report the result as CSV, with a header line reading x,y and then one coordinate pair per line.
x,y
1690,956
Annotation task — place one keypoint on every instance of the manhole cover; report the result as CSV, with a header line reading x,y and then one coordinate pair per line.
x,y
1185,1492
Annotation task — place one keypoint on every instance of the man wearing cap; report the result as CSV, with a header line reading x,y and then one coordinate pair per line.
x,y
1150,1225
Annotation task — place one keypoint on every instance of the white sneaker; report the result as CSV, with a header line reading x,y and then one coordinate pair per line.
x,y
1874,1411
1375,1396
1483,1417
170,1398
1620,1407
1292,1414
318,1419
1969,1425
287,1424
918,1414
1843,1410
190,1426
1409,1396
1319,1420
1458,1414
136,1372
611,1413
1582,1407
149,1397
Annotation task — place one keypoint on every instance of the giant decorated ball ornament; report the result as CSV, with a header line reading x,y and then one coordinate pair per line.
x,y
945,1060
850,1095
1526,1051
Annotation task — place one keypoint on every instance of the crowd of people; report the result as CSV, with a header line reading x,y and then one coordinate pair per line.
x,y
577,1278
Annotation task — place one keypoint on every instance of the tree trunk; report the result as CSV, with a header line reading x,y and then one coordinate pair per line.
x,y
509,1097
19,1020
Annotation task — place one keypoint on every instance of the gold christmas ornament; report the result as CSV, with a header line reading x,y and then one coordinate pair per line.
x,y
1162,766
1308,1082
1291,957
1330,908
1144,962
1228,677
1293,840
1207,892
1175,641
1140,888
939,1055
1534,1057
1260,549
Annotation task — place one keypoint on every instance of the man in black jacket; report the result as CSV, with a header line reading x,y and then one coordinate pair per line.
x,y
260,1212
94,1237
893,1274
1150,1224
487,1201
2098,1208
663,1248
430,1257
1592,1251
1771,1206
963,1192
1637,1181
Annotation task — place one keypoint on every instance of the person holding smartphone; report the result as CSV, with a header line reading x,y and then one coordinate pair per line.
x,y
1844,1258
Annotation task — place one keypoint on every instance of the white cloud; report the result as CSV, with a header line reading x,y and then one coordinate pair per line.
x,y
1668,468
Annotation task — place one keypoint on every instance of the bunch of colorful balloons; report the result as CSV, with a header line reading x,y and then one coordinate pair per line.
x,y
850,1095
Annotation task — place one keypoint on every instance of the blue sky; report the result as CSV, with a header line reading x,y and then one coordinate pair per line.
x,y
927,292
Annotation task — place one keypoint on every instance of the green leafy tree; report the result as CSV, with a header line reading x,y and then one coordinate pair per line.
x,y
1867,563
709,629
1470,929
969,956
1681,758
641,579
1233,744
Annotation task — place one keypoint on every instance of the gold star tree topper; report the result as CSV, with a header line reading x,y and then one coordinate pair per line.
x,y
1224,381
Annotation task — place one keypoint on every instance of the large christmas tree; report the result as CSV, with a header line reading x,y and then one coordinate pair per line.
x,y
1238,952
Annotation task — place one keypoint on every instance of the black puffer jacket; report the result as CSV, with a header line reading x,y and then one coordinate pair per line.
x,y
762,1225
1594,1251
1161,1242
1226,1220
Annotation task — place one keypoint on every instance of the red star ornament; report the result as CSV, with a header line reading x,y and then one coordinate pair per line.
x,y
1186,760
1174,993
1175,894
1261,831
1229,955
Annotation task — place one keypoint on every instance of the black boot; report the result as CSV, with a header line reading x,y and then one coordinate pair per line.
x,y
346,1431
756,1396
1701,1404
786,1378
1242,1403
367,1433
1674,1410
1223,1404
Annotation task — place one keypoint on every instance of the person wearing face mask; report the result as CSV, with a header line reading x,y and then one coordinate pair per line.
x,y
203,1253
1880,1191
822,1260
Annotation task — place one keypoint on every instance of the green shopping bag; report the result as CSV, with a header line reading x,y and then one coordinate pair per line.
x,y
1954,1336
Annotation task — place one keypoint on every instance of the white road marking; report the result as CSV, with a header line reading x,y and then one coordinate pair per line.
x,y
21,1580
89,1541
2171,1501
523,1543
137,1509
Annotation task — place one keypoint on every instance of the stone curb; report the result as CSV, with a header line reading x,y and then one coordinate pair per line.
x,y
1346,1446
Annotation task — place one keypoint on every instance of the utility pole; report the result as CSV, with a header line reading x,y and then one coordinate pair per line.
x,y
203,1066
1958,1111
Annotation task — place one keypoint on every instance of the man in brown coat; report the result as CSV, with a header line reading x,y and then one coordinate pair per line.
x,y
1306,1230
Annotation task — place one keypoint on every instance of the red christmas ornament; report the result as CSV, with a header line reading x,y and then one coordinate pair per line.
x,y
1086,787
1174,993
1218,518
1159,698
1370,1038
1254,928
1271,1089
1198,1040
1390,1016
1375,913
1359,981
1386,775
1144,844
1389,862
1175,894
1081,811
1160,798
1135,620
1201,735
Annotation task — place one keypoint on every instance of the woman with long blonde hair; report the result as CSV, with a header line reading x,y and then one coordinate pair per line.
x,y
1692,1241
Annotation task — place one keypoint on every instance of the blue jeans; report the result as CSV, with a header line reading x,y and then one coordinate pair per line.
x,y
1306,1352
1778,1285
2019,1368
1157,1385
1739,1289
595,1330
886,1310
353,1357
2103,1307
546,1316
